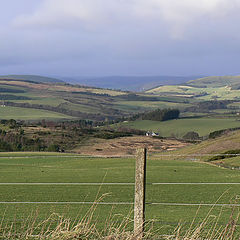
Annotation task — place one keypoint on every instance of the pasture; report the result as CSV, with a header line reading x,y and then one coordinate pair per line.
x,y
200,93
19,113
145,105
58,183
203,126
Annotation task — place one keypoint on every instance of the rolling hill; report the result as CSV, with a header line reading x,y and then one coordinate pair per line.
x,y
129,83
60,100
52,100
30,99
32,78
203,89
215,81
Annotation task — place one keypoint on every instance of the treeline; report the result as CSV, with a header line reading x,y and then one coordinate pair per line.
x,y
54,136
157,115
222,132
135,97
16,141
161,115
13,97
11,90
92,94
208,106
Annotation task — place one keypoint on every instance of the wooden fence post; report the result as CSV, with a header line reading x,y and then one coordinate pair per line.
x,y
140,183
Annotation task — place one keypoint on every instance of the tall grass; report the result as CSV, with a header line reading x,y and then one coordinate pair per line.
x,y
57,227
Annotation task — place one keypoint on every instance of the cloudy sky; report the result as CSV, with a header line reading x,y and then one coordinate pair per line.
x,y
120,37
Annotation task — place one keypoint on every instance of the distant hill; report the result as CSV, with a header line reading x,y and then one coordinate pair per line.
x,y
204,89
215,81
33,78
129,83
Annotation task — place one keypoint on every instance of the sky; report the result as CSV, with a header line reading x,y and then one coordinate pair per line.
x,y
120,37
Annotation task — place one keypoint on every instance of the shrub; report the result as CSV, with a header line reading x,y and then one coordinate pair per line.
x,y
191,136
53,148
227,154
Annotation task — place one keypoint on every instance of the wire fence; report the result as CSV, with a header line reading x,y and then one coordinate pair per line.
x,y
89,156
115,184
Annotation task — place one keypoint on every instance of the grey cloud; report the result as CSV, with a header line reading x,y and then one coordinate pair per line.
x,y
102,37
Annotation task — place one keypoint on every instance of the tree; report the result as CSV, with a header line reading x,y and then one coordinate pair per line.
x,y
191,136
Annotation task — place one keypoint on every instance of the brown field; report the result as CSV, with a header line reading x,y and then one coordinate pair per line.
x,y
128,145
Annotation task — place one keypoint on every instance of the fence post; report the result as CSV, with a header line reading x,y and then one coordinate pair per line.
x,y
140,183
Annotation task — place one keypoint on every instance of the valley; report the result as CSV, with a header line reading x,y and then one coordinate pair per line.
x,y
68,154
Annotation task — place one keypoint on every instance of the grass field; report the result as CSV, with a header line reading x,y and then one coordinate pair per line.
x,y
145,105
50,168
180,127
200,93
29,114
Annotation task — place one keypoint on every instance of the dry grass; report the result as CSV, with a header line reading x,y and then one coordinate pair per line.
x,y
128,145
209,229
57,227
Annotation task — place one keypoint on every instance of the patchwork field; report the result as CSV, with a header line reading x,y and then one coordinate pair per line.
x,y
204,94
204,89
174,203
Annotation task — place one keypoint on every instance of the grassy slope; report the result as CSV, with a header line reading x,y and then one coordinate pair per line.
x,y
54,95
181,126
29,114
220,93
218,145
213,87
33,78
70,169
215,81
77,98
107,102
145,105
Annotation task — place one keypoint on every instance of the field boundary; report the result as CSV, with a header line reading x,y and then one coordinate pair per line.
x,y
114,184
128,203
100,184
117,156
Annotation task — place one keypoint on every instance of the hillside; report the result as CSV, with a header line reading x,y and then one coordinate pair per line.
x,y
179,127
32,78
66,101
206,150
215,81
58,99
30,100
202,89
129,83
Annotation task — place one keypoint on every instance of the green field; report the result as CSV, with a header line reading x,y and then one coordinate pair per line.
x,y
135,106
50,168
100,104
200,93
29,114
179,127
